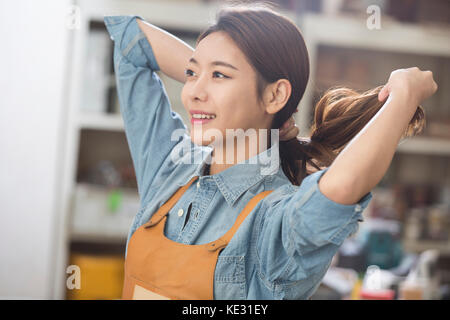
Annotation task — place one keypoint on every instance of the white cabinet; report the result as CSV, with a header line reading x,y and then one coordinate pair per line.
x,y
33,113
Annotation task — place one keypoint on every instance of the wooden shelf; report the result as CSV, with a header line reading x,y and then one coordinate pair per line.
x,y
182,15
95,121
423,245
349,31
93,219
98,237
425,145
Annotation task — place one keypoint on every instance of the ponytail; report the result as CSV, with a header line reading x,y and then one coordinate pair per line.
x,y
339,115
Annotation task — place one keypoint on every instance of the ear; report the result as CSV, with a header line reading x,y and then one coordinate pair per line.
x,y
276,95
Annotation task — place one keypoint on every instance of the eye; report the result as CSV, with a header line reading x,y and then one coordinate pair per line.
x,y
189,72
217,72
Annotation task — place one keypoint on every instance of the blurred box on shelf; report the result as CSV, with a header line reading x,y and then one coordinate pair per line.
x,y
102,212
427,223
101,277
410,292
342,280
423,281
438,223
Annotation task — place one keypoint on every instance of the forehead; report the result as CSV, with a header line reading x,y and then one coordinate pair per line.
x,y
218,46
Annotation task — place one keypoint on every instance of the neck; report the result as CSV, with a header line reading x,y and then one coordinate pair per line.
x,y
233,153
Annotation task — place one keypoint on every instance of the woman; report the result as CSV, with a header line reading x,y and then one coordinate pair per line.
x,y
214,224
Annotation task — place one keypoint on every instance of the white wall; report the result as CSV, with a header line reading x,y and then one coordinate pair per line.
x,y
34,41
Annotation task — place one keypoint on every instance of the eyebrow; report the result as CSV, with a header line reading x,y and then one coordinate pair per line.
x,y
216,63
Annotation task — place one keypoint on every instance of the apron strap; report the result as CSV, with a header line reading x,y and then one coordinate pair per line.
x,y
223,241
165,208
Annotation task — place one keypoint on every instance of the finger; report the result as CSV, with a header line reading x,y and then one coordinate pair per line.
x,y
293,132
288,123
290,133
291,122
285,125
383,94
283,134
434,85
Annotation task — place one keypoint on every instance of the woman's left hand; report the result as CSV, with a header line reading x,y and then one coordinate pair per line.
x,y
415,85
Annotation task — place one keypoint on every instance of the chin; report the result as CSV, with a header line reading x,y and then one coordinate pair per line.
x,y
204,137
199,141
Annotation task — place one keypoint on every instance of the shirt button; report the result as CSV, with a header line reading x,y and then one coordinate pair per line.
x,y
198,184
358,207
180,212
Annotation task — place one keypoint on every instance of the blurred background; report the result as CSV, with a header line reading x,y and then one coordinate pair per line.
x,y
68,188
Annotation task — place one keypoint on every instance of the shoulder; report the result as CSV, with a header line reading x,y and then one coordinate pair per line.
x,y
282,188
308,195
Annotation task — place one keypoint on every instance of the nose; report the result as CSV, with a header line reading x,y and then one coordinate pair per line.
x,y
198,89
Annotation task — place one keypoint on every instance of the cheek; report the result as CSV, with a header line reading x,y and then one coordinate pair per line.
x,y
183,98
242,111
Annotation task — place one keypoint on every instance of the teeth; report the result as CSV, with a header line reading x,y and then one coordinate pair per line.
x,y
203,116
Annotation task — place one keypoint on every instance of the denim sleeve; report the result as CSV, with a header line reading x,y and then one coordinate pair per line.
x,y
148,118
300,234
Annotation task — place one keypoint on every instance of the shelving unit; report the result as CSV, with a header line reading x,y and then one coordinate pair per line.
x,y
101,130
376,53
188,19
351,33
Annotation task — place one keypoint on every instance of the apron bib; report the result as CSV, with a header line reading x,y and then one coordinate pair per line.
x,y
158,268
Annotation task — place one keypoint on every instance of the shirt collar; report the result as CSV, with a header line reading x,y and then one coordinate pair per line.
x,y
237,179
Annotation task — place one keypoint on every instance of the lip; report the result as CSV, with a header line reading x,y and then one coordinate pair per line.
x,y
199,111
200,121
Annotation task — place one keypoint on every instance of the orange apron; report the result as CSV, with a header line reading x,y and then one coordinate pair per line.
x,y
159,268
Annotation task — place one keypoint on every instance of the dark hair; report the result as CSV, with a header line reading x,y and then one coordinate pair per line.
x,y
340,114
275,48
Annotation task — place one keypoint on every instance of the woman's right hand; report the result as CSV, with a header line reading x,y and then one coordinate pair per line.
x,y
412,83
289,130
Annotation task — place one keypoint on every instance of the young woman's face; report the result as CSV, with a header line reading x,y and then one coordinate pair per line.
x,y
220,81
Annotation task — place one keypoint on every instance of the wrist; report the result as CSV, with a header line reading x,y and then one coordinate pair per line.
x,y
405,98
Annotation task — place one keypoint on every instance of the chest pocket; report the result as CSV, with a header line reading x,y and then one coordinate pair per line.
x,y
229,278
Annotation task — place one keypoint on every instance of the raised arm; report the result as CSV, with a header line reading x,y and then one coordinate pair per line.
x,y
147,114
171,53
364,161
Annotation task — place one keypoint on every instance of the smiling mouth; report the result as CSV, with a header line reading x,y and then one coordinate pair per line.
x,y
200,121
200,118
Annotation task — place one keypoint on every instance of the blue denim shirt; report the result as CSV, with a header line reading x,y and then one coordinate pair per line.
x,y
283,248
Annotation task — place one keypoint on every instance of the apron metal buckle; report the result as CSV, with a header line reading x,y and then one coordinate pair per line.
x,y
154,220
216,245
